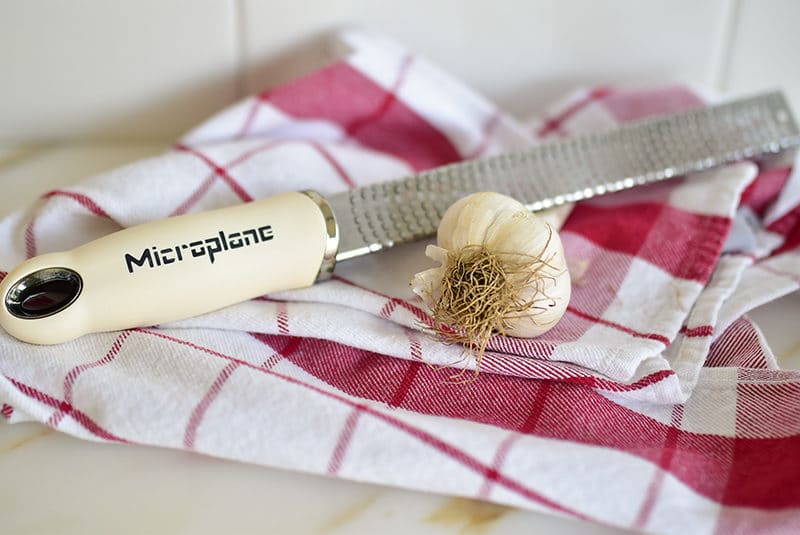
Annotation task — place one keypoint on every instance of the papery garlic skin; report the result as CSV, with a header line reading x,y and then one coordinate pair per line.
x,y
504,226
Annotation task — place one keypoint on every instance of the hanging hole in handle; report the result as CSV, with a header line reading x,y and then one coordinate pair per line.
x,y
43,293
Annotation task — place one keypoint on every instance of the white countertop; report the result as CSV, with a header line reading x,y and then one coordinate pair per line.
x,y
55,484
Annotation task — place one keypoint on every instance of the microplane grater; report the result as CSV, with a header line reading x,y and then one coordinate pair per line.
x,y
552,173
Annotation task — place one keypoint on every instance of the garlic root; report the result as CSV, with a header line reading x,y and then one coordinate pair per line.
x,y
502,270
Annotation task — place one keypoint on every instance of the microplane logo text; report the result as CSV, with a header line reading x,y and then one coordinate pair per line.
x,y
210,247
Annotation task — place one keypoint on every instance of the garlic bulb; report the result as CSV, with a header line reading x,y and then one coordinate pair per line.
x,y
502,270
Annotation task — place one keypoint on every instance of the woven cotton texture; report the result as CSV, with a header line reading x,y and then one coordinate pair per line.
x,y
655,404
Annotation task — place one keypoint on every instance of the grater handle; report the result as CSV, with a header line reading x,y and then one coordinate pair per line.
x,y
171,269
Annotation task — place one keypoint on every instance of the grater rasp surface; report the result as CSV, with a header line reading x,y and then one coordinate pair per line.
x,y
382,215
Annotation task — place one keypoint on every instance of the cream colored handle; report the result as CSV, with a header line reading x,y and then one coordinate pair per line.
x,y
170,269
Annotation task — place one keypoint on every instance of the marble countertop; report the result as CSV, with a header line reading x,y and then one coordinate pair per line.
x,y
55,484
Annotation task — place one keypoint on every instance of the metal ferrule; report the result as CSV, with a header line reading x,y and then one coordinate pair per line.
x,y
332,235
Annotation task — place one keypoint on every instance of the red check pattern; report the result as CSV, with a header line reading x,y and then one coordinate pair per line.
x,y
654,389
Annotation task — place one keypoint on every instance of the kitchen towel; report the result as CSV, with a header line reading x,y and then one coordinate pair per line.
x,y
655,403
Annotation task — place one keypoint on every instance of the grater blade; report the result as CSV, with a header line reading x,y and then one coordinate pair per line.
x,y
383,215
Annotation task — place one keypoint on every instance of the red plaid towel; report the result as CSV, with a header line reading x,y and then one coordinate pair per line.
x,y
654,404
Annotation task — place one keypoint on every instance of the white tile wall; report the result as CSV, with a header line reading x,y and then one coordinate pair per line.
x,y
764,46
98,70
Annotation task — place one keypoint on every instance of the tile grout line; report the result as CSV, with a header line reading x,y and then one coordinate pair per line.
x,y
722,66
240,44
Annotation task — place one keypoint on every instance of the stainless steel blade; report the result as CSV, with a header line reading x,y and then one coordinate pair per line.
x,y
382,215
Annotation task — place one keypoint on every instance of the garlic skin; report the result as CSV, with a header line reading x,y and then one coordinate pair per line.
x,y
504,227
